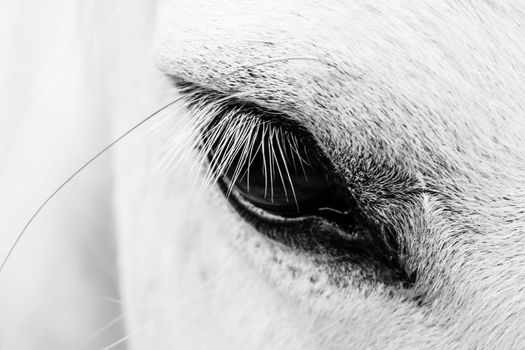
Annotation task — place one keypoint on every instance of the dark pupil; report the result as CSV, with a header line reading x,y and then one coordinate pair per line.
x,y
277,173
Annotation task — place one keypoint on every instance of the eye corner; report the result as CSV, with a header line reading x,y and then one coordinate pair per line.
x,y
317,231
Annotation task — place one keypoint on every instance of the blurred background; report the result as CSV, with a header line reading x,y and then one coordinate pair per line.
x,y
58,59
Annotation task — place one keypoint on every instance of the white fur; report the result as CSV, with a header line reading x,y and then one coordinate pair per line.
x,y
427,90
434,87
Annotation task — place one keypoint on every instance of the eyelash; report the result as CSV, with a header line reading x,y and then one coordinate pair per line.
x,y
228,128
222,129
235,138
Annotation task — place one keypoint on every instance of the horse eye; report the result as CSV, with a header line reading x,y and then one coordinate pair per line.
x,y
279,180
273,169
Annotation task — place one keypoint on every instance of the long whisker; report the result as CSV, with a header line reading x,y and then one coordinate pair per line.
x,y
104,328
78,171
131,130
200,293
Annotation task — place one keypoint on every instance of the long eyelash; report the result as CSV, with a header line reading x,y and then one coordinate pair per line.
x,y
284,156
131,130
233,138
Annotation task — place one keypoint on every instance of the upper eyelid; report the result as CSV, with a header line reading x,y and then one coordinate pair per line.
x,y
198,95
195,94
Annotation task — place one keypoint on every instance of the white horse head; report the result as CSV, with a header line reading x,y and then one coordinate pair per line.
x,y
327,175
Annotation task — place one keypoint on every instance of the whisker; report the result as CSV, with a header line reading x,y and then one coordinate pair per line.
x,y
78,171
104,328
200,122
171,307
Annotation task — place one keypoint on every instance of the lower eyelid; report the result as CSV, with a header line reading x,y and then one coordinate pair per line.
x,y
311,234
265,214
318,239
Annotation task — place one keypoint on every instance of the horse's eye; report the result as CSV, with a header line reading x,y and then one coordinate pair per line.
x,y
272,168
280,181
